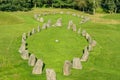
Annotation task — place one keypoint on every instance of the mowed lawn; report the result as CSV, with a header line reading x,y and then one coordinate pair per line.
x,y
103,63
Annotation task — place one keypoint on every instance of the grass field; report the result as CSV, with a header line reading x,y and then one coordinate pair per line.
x,y
103,63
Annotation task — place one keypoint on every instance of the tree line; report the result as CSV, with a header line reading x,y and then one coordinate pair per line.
x,y
90,6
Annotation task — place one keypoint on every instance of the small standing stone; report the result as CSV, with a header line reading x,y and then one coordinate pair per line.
x,y
25,54
38,67
44,26
41,19
79,30
85,55
22,47
74,28
66,68
77,63
33,31
24,36
70,24
38,29
50,74
87,36
90,48
84,33
49,23
93,43
32,60
59,22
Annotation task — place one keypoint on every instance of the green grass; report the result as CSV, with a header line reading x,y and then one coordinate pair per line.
x,y
112,16
103,63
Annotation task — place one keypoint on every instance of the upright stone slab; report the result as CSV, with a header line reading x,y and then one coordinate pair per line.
x,y
44,26
35,16
85,55
38,29
25,54
33,31
93,43
84,33
70,23
49,23
90,48
74,28
32,60
79,31
41,19
77,63
89,39
67,68
24,36
50,74
87,36
59,22
22,47
38,67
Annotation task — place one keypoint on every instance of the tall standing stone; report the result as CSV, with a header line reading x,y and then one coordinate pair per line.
x,y
41,19
50,74
70,23
59,22
77,63
32,60
89,39
66,68
74,28
24,36
22,47
79,30
25,54
33,31
38,67
38,29
84,33
85,55
87,36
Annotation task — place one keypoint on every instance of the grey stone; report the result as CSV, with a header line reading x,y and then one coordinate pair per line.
x,y
25,54
38,67
90,48
74,28
41,19
33,31
35,16
85,55
87,36
38,29
44,26
74,14
70,23
22,47
84,33
79,31
24,36
93,43
50,74
67,68
89,40
49,23
59,22
77,63
32,60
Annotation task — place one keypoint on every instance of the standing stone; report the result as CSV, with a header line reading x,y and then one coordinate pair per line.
x,y
41,19
23,40
93,43
44,26
66,68
89,40
74,27
33,31
22,47
29,34
24,36
49,23
38,19
38,29
32,60
85,55
74,14
90,48
38,67
59,22
84,33
87,36
61,12
50,74
79,30
70,24
77,63
67,12
35,16
25,54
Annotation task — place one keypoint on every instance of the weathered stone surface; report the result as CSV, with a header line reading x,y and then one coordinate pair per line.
x,y
93,43
22,47
32,60
33,31
25,54
59,22
24,36
70,23
67,68
50,74
38,67
77,63
74,28
79,31
44,26
74,14
89,40
49,23
87,36
84,32
85,55
90,48
38,29
35,16
41,19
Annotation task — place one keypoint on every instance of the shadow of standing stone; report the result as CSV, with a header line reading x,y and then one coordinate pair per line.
x,y
50,74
